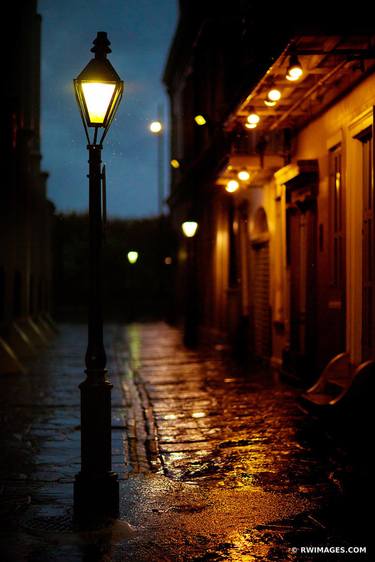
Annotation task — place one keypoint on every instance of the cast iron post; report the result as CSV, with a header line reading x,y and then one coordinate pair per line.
x,y
96,489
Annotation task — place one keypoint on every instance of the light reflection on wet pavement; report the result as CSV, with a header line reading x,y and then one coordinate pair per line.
x,y
215,463
229,433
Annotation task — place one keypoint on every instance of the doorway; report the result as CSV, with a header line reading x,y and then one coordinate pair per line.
x,y
261,286
301,248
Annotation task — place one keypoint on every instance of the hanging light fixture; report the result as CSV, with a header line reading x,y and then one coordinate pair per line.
x,y
232,186
253,118
294,70
274,95
243,175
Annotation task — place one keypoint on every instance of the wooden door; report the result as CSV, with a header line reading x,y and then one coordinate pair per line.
x,y
302,266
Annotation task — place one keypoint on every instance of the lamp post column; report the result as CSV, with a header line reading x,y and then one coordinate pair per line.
x,y
191,303
161,162
95,354
189,229
96,488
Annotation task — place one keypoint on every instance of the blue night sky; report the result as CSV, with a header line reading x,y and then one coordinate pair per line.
x,y
140,32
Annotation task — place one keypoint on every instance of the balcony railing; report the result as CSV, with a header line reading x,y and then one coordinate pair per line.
x,y
255,142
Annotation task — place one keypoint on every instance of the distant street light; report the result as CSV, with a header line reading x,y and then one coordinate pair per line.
x,y
189,228
98,91
157,128
132,256
200,120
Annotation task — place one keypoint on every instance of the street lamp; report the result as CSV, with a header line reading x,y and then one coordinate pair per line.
x,y
157,129
98,90
133,256
189,228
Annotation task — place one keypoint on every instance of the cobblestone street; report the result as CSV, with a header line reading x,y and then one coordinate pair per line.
x,y
215,463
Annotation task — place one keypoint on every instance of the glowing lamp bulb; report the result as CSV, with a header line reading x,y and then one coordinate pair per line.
x,y
253,118
175,163
294,73
98,98
274,94
232,186
243,175
200,120
294,70
189,228
132,256
156,127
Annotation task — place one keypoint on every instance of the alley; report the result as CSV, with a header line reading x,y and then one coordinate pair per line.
x,y
215,462
187,283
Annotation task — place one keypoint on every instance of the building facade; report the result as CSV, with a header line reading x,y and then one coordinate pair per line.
x,y
26,214
285,255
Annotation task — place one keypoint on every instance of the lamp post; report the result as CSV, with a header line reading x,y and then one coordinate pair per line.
x,y
98,90
189,229
157,128
132,256
132,300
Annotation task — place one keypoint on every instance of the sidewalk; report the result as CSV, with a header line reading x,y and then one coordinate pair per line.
x,y
214,464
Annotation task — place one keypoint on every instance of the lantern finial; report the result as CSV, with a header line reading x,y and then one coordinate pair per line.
x,y
101,45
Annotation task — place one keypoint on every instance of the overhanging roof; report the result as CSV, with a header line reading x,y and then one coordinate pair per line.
x,y
332,65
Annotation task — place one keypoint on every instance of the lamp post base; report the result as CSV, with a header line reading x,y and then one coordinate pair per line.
x,y
96,498
96,487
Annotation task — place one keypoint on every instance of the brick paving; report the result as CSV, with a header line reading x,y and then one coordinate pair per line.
x,y
214,463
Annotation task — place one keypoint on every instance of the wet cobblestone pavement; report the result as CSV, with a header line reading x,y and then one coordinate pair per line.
x,y
214,463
